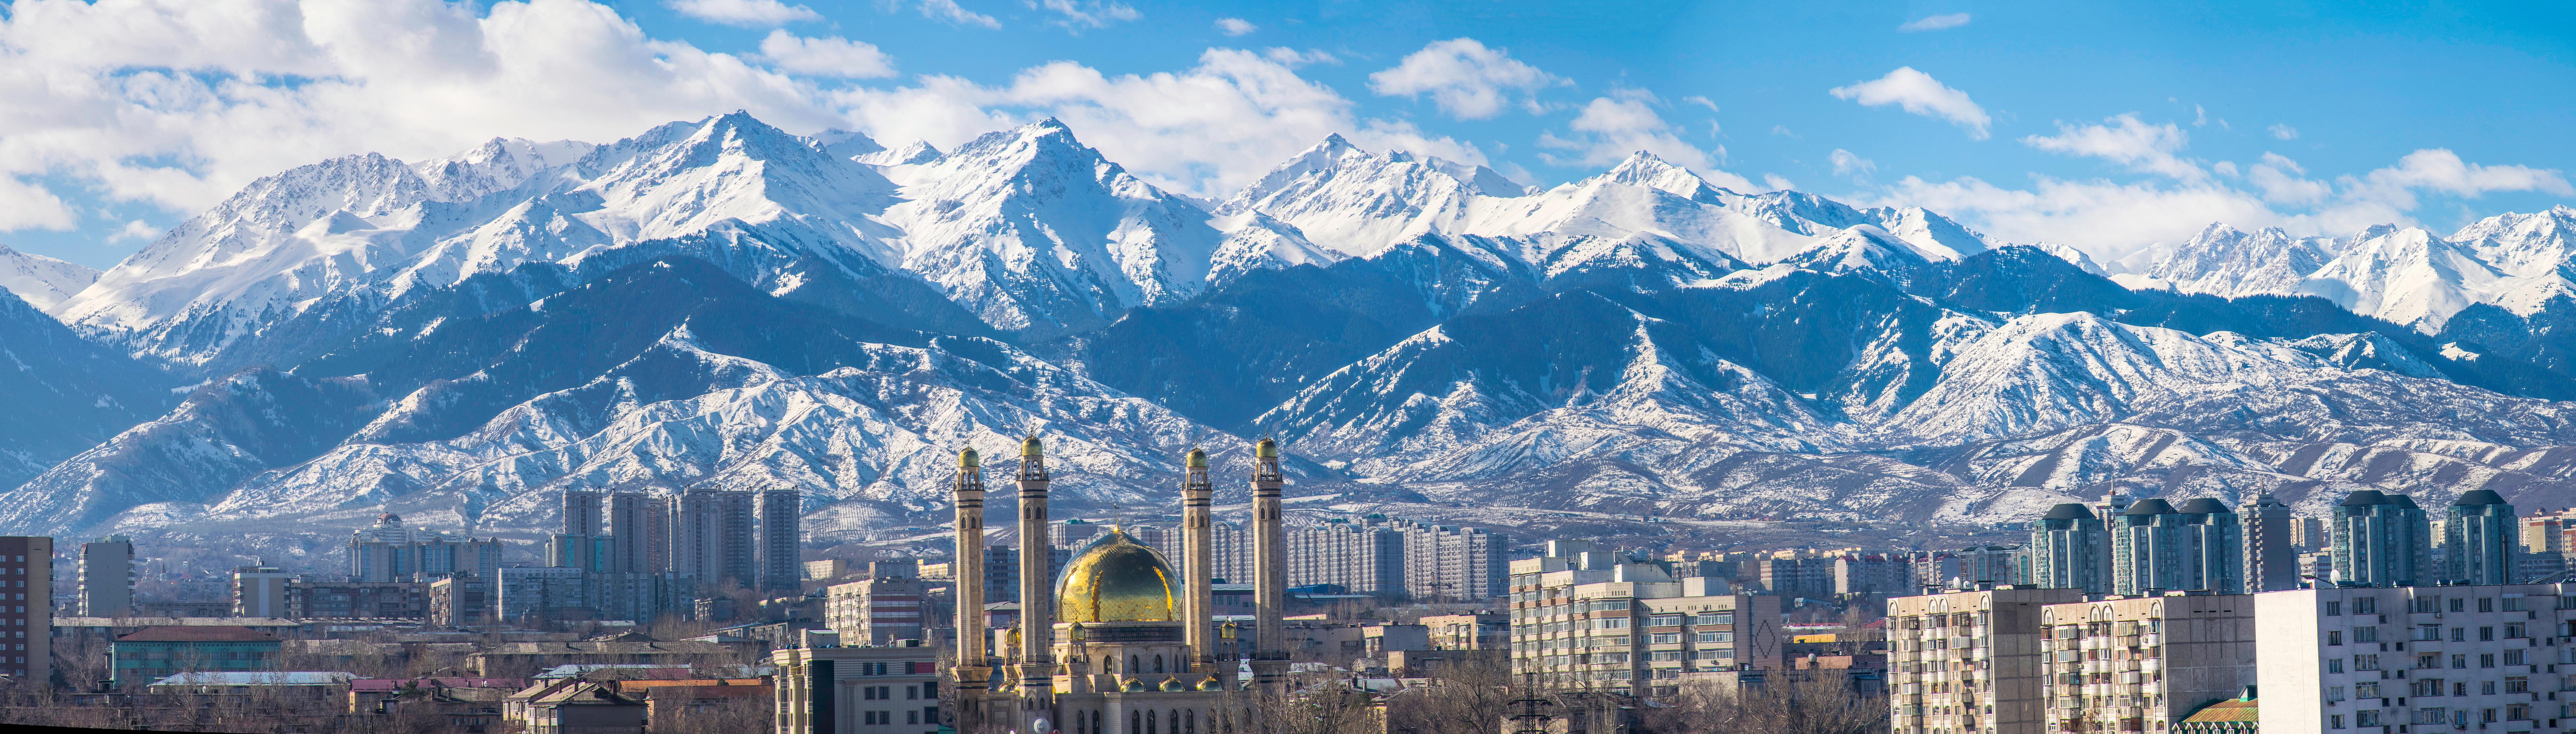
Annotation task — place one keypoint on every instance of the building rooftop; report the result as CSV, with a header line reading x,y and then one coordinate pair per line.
x,y
2225,710
227,633
2068,511
2360,497
2477,497
2204,506
258,678
2151,506
174,621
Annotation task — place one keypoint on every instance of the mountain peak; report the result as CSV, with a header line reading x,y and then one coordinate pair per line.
x,y
1644,168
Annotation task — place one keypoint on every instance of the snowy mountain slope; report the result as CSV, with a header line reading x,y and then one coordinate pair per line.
x,y
1356,202
2406,276
64,394
42,281
2224,261
2525,245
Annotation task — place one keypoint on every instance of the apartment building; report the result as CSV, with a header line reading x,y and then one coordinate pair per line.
x,y
875,611
1631,628
2416,659
107,577
1969,661
2144,663
824,688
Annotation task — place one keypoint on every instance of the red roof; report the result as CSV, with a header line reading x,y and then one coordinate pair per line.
x,y
197,634
396,684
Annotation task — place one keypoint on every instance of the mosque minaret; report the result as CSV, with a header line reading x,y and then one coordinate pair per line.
x,y
1122,644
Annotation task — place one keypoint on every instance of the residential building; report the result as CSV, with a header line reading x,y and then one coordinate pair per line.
x,y
1453,563
153,653
1872,573
714,537
876,611
782,540
595,553
260,591
585,707
2479,542
388,551
2151,550
2214,547
1002,570
2380,539
107,577
2421,659
1478,631
2271,553
641,523
525,593
2309,535
457,600
1803,577
1631,628
831,689
584,513
27,607
2144,664
1364,557
826,570
357,600
1970,661
2069,549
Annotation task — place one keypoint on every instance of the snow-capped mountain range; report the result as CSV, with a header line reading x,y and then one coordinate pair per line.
x,y
722,303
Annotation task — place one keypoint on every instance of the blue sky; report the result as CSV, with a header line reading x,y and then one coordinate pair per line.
x,y
2106,127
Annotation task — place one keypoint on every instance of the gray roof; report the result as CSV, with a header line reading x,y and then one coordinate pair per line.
x,y
2476,497
2204,506
2068,511
2360,497
2150,506
258,678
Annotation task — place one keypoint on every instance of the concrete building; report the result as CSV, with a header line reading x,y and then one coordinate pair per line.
x,y
27,607
1451,563
2480,540
782,540
2417,659
307,599
2069,549
2382,540
2144,664
457,600
1805,577
2156,547
2271,553
1873,573
1362,557
388,551
714,537
1970,661
1478,631
826,688
260,591
1631,628
584,513
107,577
641,523
876,611
2309,535
524,594
155,652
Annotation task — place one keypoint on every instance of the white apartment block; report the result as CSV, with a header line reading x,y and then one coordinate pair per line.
x,y
1969,662
2143,663
874,611
1632,628
2418,659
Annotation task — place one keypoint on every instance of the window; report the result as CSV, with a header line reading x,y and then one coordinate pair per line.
x,y
2459,634
2365,662
2365,718
1717,637
2425,688
2334,665
2513,657
2513,603
2513,631
2486,688
2517,712
2365,634
1667,655
2365,690
2428,632
2487,715
1614,623
2334,609
2427,605
1726,618
1669,638
2487,604
2335,721
2517,684
2435,715
1668,620
2486,634
2459,604
2334,637
2428,660
2366,605
2486,660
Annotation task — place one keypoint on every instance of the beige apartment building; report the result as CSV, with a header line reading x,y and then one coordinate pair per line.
x,y
2418,660
1631,628
1969,662
2145,663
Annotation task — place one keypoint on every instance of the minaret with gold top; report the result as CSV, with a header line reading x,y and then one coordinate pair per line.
x,y
1270,568
1198,525
972,666
1037,608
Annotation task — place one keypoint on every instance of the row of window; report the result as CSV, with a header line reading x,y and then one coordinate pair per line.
x,y
2437,604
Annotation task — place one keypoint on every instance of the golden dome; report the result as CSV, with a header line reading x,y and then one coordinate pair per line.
x,y
1266,449
1197,459
1116,579
1029,447
968,459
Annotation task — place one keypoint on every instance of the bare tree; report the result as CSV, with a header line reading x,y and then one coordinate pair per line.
x,y
1463,696
1791,702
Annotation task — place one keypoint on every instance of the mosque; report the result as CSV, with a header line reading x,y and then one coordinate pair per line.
x,y
1123,644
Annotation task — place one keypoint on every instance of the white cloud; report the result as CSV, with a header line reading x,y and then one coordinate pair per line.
x,y
1088,13
1295,58
1235,26
2283,131
1207,130
28,206
828,56
1783,131
2199,116
134,230
181,103
948,11
1702,101
1775,182
1610,128
752,13
2128,141
1935,23
1847,163
1920,94
2109,219
1468,80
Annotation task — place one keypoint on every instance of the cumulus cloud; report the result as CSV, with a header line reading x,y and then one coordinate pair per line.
x,y
1088,13
28,206
948,11
2127,141
2110,220
1847,163
1934,23
1611,128
181,103
1702,101
134,230
753,13
2283,131
1206,130
1918,93
1467,79
829,56
1235,26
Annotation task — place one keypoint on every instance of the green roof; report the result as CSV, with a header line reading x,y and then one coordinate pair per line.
x,y
2225,710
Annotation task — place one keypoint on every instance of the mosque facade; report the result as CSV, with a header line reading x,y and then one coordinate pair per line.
x,y
1123,643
